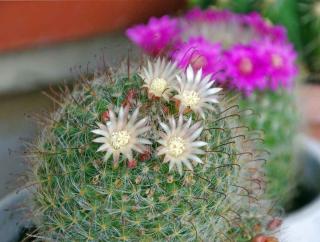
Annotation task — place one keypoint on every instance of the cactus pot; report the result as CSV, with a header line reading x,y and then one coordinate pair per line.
x,y
14,224
303,223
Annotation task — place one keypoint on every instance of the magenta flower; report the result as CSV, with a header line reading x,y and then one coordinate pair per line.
x,y
157,36
263,28
245,69
208,15
199,53
243,51
280,64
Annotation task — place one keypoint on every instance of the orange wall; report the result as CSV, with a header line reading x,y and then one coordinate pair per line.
x,y
24,24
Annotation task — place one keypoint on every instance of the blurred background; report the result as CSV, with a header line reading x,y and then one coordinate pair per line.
x,y
44,44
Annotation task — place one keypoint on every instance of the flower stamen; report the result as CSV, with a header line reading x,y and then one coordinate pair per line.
x,y
277,61
158,86
176,146
246,65
190,98
119,139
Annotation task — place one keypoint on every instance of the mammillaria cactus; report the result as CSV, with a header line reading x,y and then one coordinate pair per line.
x,y
246,54
148,153
278,117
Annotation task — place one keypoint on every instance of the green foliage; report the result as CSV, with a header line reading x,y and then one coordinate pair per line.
x,y
277,117
309,24
80,197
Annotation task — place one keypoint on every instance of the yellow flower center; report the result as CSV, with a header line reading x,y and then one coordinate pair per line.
x,y
245,65
277,60
190,98
176,146
119,139
158,86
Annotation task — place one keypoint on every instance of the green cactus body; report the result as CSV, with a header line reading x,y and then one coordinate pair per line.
x,y
277,117
82,197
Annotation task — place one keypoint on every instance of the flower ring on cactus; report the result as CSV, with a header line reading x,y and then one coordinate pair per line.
x,y
196,92
122,135
199,53
156,36
179,143
159,78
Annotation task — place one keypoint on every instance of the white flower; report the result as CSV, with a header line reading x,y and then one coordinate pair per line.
x,y
196,92
159,78
179,145
122,135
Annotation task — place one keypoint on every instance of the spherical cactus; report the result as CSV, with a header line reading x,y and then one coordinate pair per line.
x,y
276,110
148,153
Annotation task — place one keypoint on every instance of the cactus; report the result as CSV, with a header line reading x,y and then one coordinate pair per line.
x,y
277,116
85,195
278,109
246,54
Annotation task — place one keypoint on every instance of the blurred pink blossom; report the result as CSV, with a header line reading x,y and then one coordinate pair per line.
x,y
156,36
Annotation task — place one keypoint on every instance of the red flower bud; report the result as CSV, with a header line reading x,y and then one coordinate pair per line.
x,y
274,224
272,239
105,116
165,109
259,238
264,238
145,155
131,94
132,164
126,103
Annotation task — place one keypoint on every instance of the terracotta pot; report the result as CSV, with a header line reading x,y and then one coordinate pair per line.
x,y
24,24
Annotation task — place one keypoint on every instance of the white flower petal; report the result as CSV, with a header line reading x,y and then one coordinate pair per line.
x,y
165,127
187,164
190,75
199,144
196,159
103,147
100,132
177,143
122,136
100,140
195,92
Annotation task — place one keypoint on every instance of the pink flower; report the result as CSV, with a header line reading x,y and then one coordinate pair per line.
x,y
280,64
243,51
245,69
157,36
263,28
199,53
208,15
